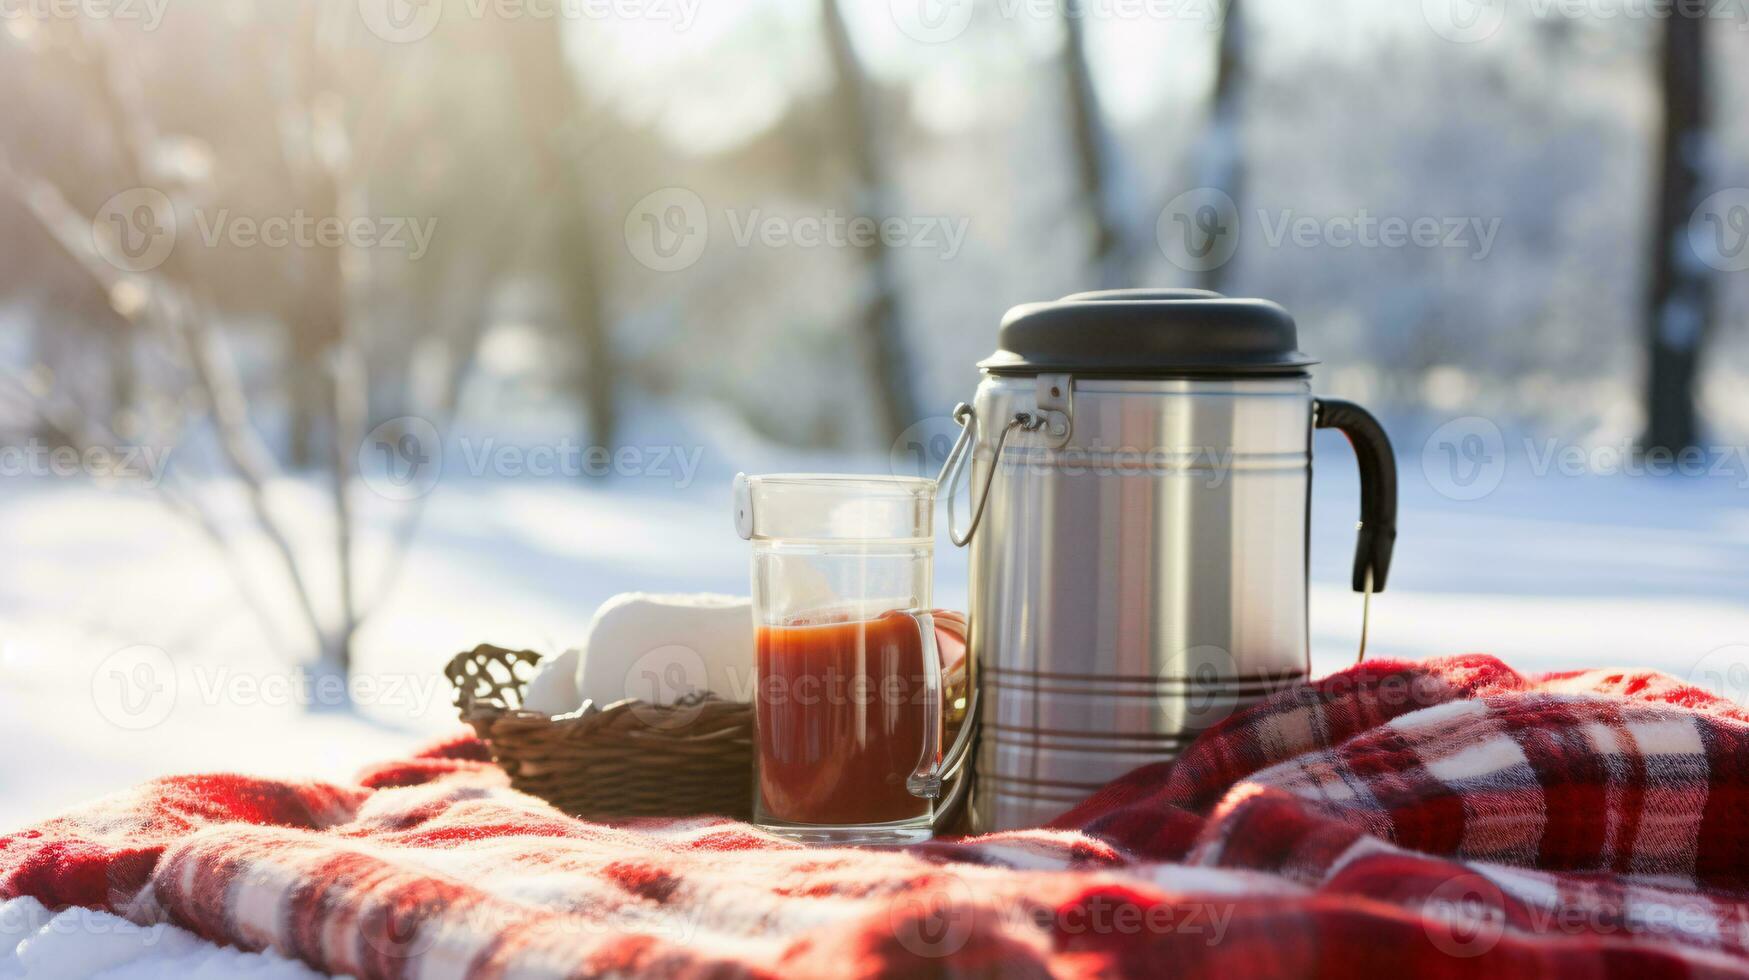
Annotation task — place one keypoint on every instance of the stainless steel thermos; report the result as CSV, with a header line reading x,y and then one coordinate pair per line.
x,y
1139,465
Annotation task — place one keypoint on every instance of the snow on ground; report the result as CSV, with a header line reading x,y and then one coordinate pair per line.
x,y
37,944
1547,571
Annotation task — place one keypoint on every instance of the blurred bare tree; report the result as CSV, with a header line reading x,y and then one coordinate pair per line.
x,y
879,302
1221,165
323,128
1095,158
557,129
170,306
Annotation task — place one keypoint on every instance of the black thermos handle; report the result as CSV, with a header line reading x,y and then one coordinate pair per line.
x,y
1378,485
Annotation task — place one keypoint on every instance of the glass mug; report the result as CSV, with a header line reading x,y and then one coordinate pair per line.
x,y
849,697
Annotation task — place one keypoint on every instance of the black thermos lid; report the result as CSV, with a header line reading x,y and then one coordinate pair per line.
x,y
1149,333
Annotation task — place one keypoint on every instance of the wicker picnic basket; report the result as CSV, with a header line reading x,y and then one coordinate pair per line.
x,y
628,759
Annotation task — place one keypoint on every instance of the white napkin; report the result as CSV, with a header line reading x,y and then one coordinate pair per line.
x,y
652,647
553,688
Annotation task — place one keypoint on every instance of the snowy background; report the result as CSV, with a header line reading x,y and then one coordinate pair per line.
x,y
168,624
1548,571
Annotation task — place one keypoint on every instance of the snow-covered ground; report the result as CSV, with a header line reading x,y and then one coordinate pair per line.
x,y
1548,571
37,944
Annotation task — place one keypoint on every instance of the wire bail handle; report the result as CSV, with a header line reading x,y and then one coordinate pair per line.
x,y
953,468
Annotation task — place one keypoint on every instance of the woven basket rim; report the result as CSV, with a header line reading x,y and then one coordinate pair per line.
x,y
483,700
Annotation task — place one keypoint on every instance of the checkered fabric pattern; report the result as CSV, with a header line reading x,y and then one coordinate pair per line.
x,y
1446,817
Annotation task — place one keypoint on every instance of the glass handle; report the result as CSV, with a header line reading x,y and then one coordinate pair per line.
x,y
925,782
936,767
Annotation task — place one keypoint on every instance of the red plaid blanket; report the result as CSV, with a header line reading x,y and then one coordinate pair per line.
x,y
1442,817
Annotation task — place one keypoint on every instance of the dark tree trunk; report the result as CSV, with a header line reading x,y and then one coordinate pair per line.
x,y
1679,302
1223,163
1093,157
881,331
581,300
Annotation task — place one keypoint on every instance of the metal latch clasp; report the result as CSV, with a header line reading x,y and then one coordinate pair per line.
x,y
1055,398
